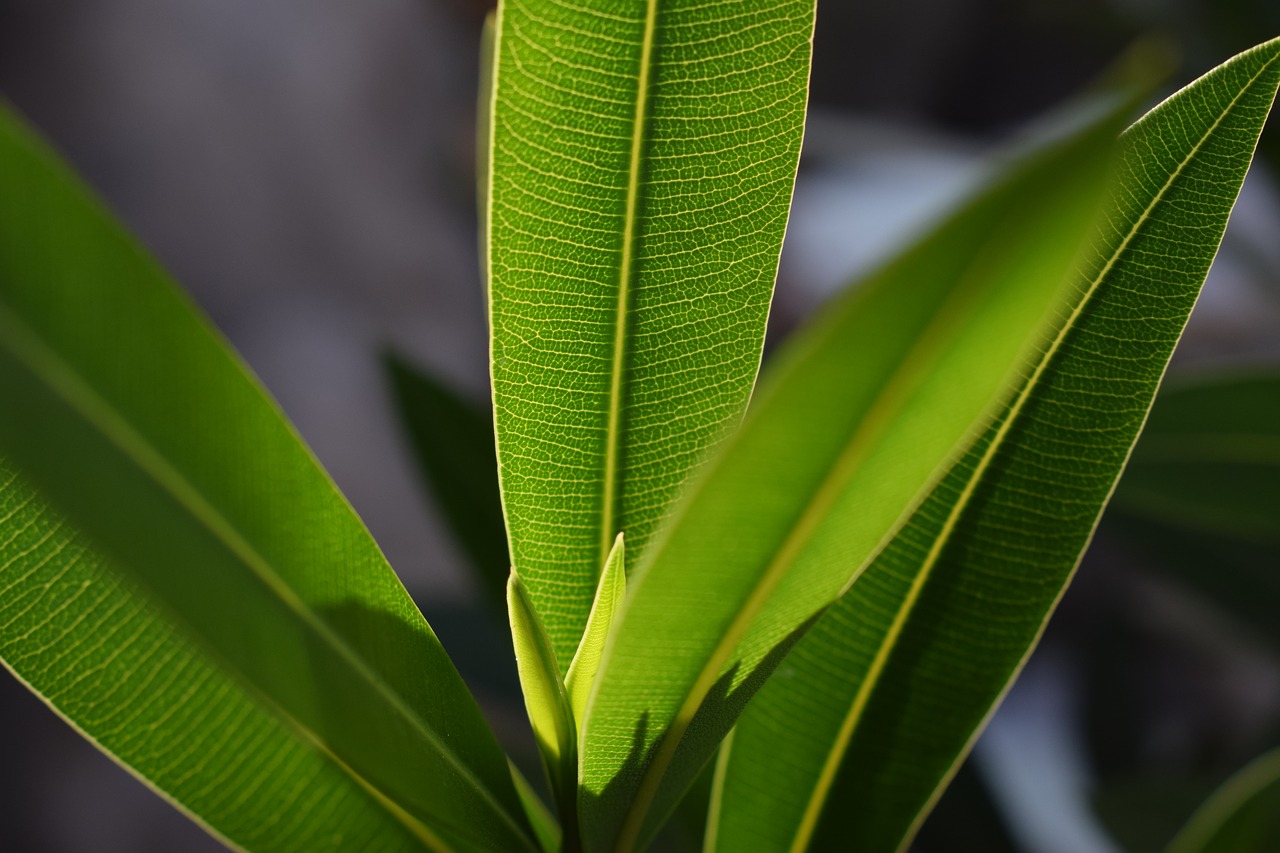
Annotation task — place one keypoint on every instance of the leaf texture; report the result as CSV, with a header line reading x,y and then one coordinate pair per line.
x,y
853,423
895,681
121,672
642,158
133,419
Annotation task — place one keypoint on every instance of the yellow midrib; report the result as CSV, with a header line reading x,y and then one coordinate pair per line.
x,y
626,263
64,382
813,811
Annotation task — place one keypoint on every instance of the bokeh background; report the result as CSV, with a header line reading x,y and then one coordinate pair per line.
x,y
306,169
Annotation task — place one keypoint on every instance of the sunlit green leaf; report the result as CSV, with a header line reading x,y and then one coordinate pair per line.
x,y
858,417
642,162
1243,816
133,419
119,670
545,698
895,681
604,610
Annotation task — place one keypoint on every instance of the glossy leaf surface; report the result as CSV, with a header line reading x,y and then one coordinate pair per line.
x,y
895,681
134,420
861,413
642,161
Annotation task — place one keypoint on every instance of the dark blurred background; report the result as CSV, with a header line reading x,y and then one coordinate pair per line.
x,y
306,169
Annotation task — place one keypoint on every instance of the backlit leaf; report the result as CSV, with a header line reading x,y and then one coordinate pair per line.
x,y
895,681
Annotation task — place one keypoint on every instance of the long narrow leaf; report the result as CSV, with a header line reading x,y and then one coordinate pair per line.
x,y
862,414
894,682
642,160
125,677
136,422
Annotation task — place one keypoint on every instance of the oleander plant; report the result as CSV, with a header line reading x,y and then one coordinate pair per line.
x,y
813,589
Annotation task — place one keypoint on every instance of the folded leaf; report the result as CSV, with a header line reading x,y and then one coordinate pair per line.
x,y
604,611
1243,816
544,694
862,414
895,681
642,157
135,421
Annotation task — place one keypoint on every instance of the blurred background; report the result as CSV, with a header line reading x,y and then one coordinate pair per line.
x,y
306,169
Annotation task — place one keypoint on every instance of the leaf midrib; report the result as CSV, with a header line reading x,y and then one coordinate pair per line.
x,y
65,382
826,779
892,395
626,262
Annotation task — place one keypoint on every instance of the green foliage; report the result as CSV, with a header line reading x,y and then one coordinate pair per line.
x,y
870,550
124,408
642,158
1243,816
897,678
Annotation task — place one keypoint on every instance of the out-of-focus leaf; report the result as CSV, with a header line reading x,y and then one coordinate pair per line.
x,y
135,421
1209,458
453,443
604,610
642,157
862,413
1243,816
895,681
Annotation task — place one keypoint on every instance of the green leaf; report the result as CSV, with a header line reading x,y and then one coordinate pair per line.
x,y
604,611
545,698
133,419
1209,458
453,442
642,161
895,681
118,669
1243,816
863,412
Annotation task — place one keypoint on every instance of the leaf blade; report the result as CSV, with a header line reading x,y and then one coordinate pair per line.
x,y
811,484
60,601
1032,504
604,611
124,407
615,135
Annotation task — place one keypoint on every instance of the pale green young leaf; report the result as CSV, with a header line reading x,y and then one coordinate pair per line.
x,y
544,694
642,157
604,610
895,681
134,420
858,418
